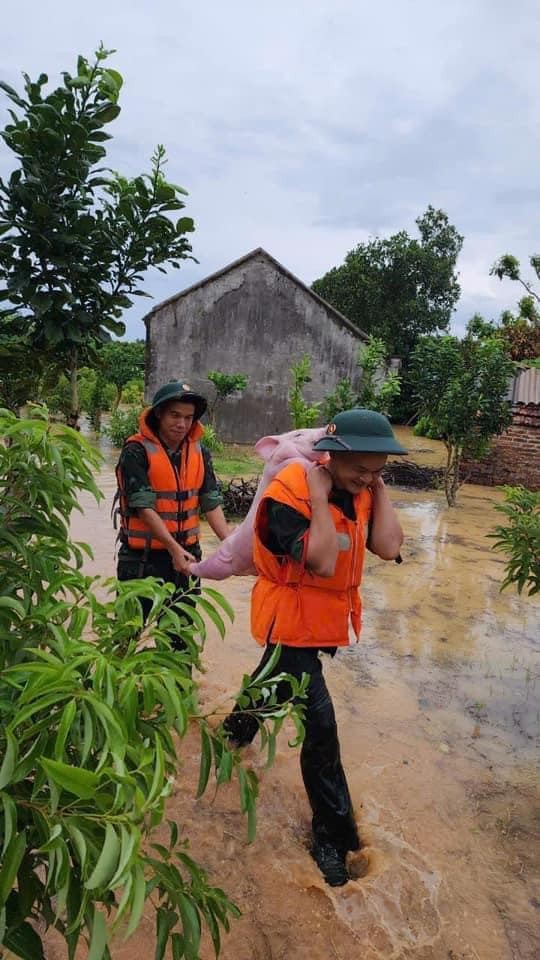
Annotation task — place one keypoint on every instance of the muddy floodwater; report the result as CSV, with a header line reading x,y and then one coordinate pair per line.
x,y
439,715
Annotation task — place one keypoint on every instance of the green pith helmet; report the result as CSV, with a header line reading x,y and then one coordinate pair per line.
x,y
178,390
359,431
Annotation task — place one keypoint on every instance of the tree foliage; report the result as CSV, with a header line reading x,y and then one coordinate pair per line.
x,y
119,362
76,238
378,388
25,374
303,414
462,387
518,333
508,267
225,385
123,424
93,709
399,288
519,538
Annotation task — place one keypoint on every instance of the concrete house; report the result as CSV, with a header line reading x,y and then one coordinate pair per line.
x,y
253,317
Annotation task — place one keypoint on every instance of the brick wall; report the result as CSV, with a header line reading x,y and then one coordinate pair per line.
x,y
514,457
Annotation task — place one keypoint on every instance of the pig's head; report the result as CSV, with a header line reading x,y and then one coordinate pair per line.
x,y
294,445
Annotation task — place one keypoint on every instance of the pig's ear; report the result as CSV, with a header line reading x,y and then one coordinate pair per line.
x,y
266,446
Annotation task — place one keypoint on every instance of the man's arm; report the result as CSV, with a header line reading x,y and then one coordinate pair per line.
x,y
385,536
218,523
210,498
322,542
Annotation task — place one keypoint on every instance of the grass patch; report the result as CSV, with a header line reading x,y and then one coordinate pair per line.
x,y
237,461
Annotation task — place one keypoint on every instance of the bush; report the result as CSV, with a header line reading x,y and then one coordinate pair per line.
x,y
343,398
520,538
425,427
211,439
122,425
133,393
93,709
303,414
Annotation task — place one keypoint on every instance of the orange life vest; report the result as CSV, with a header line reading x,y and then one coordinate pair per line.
x,y
177,491
292,605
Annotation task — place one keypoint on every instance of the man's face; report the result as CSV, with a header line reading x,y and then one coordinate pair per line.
x,y
355,471
175,421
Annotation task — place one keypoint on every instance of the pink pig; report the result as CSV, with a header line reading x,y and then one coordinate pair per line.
x,y
234,556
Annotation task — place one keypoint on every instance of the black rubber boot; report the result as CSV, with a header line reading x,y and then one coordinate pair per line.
x,y
241,728
331,862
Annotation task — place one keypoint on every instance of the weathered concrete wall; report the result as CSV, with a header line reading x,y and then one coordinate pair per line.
x,y
253,319
514,457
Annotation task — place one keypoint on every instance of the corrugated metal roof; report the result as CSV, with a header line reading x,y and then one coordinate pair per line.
x,y
526,386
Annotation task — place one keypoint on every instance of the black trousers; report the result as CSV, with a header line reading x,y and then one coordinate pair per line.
x,y
324,778
134,565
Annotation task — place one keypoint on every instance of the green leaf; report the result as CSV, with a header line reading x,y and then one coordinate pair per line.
x,y
137,903
107,860
24,942
106,114
64,728
11,604
116,77
98,942
205,764
82,783
165,921
9,761
10,820
129,847
79,843
10,865
213,614
185,225
220,600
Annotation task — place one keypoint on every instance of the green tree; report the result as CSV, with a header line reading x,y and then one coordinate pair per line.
x,y
303,414
122,425
378,388
399,288
225,384
93,710
24,374
508,267
519,334
462,386
519,538
521,330
75,238
120,362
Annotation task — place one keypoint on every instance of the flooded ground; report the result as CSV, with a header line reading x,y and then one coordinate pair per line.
x,y
439,716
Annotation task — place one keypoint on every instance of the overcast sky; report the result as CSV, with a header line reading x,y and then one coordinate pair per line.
x,y
307,126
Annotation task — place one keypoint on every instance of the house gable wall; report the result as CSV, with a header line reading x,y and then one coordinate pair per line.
x,y
253,319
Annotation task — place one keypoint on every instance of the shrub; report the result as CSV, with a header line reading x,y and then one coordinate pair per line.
x,y
122,424
211,439
425,427
90,732
519,539
133,393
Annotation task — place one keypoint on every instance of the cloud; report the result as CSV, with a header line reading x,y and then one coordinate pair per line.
x,y
305,127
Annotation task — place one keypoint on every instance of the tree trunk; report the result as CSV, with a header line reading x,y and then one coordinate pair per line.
x,y
455,474
447,483
451,478
117,399
73,416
